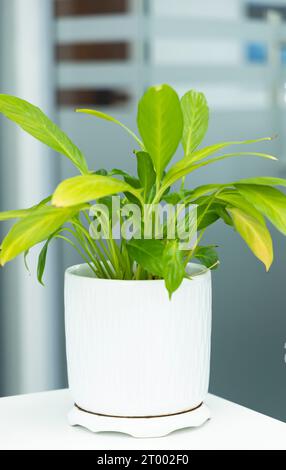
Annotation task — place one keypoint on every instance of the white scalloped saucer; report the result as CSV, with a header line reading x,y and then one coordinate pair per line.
x,y
139,427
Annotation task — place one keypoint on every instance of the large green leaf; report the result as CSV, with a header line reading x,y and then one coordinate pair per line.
x,y
160,123
33,229
196,119
268,201
255,234
146,173
173,266
35,122
81,189
106,117
148,254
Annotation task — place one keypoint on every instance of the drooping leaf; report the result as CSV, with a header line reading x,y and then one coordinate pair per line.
x,y
81,189
149,254
33,229
207,255
160,123
235,199
268,201
32,120
196,119
173,266
106,117
255,234
146,173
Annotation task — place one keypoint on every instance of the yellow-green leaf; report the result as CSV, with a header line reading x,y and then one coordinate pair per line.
x,y
17,214
268,201
32,120
20,213
255,234
82,189
33,229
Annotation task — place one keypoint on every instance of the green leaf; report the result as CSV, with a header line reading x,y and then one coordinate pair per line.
x,y
196,119
255,234
134,182
17,214
205,152
32,120
81,189
148,254
160,123
174,270
21,213
174,198
186,166
106,117
26,260
33,229
42,258
207,255
206,218
268,201
146,173
263,180
235,199
196,193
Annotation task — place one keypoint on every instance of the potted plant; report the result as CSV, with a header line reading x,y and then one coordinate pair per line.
x,y
138,311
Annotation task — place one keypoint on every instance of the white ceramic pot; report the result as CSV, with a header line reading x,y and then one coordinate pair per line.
x,y
131,351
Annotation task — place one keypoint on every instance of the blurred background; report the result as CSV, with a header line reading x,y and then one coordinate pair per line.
x,y
61,54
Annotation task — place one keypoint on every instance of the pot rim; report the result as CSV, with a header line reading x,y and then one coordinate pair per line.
x,y
74,271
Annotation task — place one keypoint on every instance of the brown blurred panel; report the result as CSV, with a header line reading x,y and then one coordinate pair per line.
x,y
90,7
92,51
91,97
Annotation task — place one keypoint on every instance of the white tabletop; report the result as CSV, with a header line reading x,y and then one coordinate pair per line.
x,y
38,421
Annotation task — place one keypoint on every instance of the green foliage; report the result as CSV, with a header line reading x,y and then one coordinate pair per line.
x,y
81,189
163,122
196,120
160,122
32,120
146,173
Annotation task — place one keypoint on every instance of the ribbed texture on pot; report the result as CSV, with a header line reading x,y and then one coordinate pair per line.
x,y
131,351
